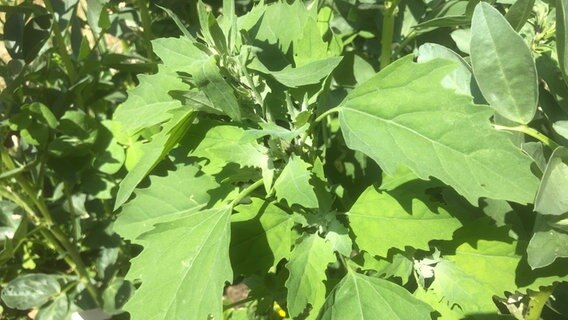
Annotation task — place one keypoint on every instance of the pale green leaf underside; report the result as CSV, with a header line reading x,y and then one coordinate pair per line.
x,y
380,221
361,297
503,65
149,103
169,197
183,268
552,196
152,153
261,237
404,116
307,267
293,184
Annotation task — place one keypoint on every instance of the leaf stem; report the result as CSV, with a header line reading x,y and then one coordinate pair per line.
x,y
530,132
237,303
326,113
387,32
537,301
248,190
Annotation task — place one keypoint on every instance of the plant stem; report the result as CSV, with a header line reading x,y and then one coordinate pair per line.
x,y
537,301
327,113
387,32
147,26
531,132
246,192
234,304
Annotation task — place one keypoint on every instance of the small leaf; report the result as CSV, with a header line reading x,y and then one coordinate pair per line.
x,y
58,309
361,297
503,65
307,267
552,198
547,242
385,220
179,54
30,291
209,79
562,36
293,184
183,268
310,73
434,132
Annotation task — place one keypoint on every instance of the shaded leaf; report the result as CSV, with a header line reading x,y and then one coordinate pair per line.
x,y
562,36
519,13
30,290
552,198
547,242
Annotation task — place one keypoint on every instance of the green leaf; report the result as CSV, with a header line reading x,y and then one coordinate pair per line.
x,y
58,309
30,291
384,220
503,65
169,197
398,264
149,103
434,132
209,79
561,127
552,198
293,184
310,73
562,36
519,13
183,268
307,267
179,54
475,273
152,153
261,236
361,297
310,47
547,242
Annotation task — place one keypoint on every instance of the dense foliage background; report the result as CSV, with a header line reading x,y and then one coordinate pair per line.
x,y
347,159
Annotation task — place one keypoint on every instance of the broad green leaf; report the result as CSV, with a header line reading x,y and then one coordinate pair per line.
x,y
310,47
307,267
310,73
405,117
209,79
152,153
293,184
338,236
399,218
519,13
179,54
183,268
179,193
361,297
261,236
30,290
562,36
561,127
478,270
149,103
547,242
552,198
503,65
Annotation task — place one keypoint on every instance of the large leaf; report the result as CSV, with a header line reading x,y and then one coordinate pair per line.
x,y
547,243
503,65
169,197
261,236
293,184
361,297
307,267
552,197
399,218
179,54
562,36
30,290
404,116
149,103
183,268
152,153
